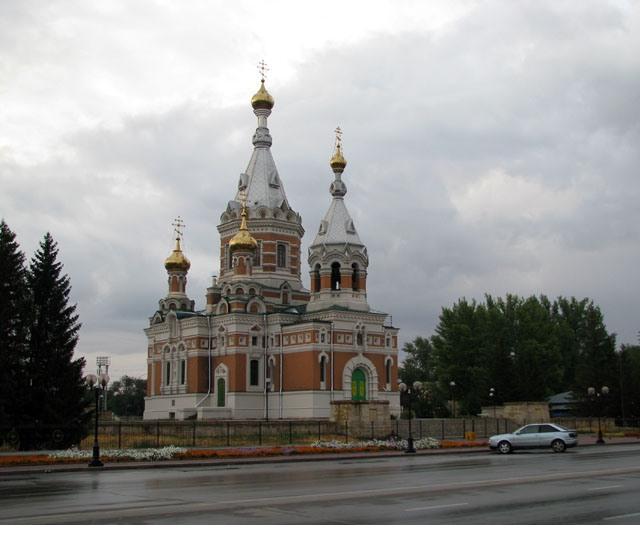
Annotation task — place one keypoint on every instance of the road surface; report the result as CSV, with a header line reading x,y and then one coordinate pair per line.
x,y
587,485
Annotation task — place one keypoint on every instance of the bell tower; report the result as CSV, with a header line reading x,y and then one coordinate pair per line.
x,y
338,260
271,265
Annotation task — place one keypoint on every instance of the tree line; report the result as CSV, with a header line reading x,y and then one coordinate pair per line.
x,y
525,349
43,397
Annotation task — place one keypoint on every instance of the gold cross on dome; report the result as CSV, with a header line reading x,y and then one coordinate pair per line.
x,y
243,198
178,225
262,69
338,132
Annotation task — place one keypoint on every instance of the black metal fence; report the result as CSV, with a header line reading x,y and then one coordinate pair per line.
x,y
240,433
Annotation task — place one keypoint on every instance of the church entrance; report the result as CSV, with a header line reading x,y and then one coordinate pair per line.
x,y
221,391
358,385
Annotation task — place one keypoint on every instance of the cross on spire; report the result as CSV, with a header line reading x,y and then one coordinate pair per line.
x,y
178,224
338,132
262,69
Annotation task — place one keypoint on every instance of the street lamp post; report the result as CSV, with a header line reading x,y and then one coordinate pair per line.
x,y
452,387
492,396
417,386
98,384
597,396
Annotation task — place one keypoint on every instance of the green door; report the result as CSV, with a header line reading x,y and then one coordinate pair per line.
x,y
358,385
220,390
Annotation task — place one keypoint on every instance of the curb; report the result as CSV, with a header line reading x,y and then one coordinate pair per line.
x,y
225,462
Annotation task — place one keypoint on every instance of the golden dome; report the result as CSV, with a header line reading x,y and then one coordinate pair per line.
x,y
262,99
338,162
177,261
242,240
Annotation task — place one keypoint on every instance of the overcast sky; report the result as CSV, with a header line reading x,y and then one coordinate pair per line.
x,y
493,147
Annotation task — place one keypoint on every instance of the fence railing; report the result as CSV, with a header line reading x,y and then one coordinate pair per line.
x,y
238,433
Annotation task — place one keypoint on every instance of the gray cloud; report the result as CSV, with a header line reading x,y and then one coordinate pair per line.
x,y
496,154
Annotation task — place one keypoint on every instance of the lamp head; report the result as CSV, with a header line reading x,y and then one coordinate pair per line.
x,y
91,379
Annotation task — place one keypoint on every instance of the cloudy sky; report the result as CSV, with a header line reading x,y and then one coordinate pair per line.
x,y
492,146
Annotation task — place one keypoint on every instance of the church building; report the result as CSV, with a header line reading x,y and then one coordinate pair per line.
x,y
265,347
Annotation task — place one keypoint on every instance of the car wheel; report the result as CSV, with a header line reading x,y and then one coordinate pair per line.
x,y
558,446
504,447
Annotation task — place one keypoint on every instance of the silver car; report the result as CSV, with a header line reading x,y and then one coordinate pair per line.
x,y
534,436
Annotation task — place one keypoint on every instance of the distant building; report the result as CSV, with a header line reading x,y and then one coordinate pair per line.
x,y
265,346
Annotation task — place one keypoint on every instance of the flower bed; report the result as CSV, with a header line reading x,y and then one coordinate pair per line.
x,y
76,456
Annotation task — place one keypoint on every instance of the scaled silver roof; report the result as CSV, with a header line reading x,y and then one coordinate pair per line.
x,y
337,226
261,181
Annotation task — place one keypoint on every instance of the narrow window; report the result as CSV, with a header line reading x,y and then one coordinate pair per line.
x,y
167,374
254,372
282,255
254,340
322,368
388,371
316,278
183,371
355,277
256,261
359,338
227,255
335,276
323,337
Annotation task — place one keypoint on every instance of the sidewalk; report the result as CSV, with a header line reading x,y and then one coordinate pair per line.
x,y
222,462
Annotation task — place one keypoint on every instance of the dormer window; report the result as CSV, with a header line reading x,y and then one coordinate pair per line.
x,y
323,228
350,227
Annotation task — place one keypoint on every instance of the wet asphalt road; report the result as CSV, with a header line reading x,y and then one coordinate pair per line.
x,y
588,485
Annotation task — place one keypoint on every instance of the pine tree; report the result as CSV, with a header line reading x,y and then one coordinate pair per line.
x,y
13,324
55,402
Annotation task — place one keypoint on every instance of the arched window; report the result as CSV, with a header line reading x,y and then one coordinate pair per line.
x,y
282,255
183,371
316,278
167,373
335,276
387,371
229,257
355,277
323,360
359,338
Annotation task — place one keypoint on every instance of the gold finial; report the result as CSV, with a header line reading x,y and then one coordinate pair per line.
x,y
177,260
262,99
338,162
242,240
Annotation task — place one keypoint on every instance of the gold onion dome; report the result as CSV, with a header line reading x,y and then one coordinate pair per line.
x,y
243,240
338,162
262,99
177,260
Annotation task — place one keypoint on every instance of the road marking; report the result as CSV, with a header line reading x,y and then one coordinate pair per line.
x,y
604,488
623,516
423,508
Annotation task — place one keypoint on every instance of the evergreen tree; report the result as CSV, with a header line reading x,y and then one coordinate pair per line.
x,y
56,397
13,324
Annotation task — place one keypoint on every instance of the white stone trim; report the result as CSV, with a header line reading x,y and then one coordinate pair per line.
x,y
360,361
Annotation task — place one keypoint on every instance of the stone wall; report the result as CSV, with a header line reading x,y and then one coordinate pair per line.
x,y
359,416
520,412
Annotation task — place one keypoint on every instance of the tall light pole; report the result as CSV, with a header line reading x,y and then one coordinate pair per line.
x,y
452,387
597,396
103,362
417,386
98,384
